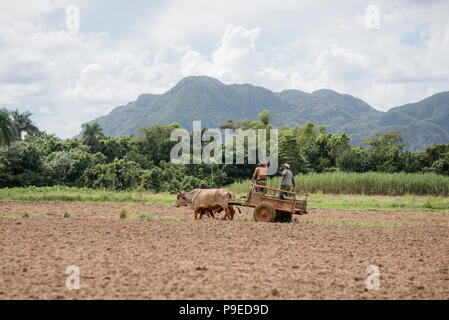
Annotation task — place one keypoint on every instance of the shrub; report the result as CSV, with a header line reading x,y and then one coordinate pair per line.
x,y
123,213
66,215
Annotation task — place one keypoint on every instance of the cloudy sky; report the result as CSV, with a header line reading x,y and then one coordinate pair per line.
x,y
387,53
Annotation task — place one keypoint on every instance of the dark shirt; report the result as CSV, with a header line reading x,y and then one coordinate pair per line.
x,y
287,178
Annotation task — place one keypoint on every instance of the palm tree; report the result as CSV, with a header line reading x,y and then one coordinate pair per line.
x,y
23,123
90,135
8,132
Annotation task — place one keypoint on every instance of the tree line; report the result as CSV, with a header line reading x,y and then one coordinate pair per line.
x,y
29,156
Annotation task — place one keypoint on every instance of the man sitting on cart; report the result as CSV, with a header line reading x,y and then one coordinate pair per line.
x,y
260,175
288,179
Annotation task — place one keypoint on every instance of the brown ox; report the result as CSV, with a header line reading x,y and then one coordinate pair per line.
x,y
206,201
213,212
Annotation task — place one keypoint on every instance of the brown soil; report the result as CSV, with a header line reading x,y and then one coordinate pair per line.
x,y
314,257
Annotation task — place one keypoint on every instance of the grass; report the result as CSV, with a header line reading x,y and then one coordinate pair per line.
x,y
123,213
72,194
370,183
143,216
26,215
66,215
15,216
322,200
359,223
317,199
378,202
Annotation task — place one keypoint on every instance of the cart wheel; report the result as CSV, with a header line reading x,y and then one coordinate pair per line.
x,y
282,216
264,212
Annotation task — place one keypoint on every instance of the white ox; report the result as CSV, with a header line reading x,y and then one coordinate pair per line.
x,y
207,201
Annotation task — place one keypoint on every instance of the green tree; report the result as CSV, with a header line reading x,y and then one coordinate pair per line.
x,y
240,124
111,148
6,174
386,140
306,134
385,152
121,174
411,161
22,123
352,160
441,166
25,164
91,133
432,154
264,117
229,124
152,179
157,142
289,152
8,132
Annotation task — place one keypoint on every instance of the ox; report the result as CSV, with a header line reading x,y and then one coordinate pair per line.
x,y
206,201
212,212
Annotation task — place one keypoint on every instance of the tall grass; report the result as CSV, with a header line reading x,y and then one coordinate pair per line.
x,y
370,183
316,200
72,194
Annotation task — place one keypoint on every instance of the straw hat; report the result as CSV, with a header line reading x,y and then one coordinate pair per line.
x,y
287,165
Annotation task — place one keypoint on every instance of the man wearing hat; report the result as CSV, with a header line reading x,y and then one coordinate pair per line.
x,y
260,174
288,180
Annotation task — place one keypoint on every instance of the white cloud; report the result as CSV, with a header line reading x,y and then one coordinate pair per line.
x,y
67,78
237,57
44,109
91,70
90,111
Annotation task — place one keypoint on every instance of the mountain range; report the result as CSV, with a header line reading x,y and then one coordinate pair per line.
x,y
213,102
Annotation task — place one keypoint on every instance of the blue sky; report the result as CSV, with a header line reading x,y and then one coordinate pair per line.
x,y
123,49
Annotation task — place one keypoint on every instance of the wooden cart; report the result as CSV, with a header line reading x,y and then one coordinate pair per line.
x,y
270,207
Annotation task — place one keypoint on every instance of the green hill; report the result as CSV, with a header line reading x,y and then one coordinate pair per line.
x,y
209,100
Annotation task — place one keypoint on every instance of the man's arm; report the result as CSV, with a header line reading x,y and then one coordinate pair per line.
x,y
255,174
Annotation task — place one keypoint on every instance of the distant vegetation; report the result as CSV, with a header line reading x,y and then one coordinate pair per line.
x,y
13,124
73,194
370,183
315,200
29,157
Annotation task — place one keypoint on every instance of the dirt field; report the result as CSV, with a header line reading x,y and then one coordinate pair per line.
x,y
322,255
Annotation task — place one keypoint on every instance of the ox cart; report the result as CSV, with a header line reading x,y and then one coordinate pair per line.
x,y
273,204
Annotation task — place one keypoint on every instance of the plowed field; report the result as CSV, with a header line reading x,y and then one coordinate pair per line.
x,y
160,252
